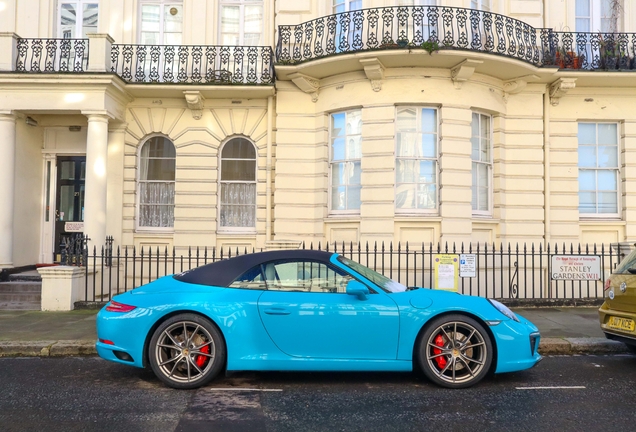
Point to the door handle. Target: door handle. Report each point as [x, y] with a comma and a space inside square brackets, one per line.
[277, 311]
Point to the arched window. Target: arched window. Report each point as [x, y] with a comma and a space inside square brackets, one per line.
[238, 184]
[156, 183]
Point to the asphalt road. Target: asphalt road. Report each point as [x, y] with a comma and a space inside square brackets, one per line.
[591, 393]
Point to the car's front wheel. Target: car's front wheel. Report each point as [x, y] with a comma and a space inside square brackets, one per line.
[186, 351]
[455, 351]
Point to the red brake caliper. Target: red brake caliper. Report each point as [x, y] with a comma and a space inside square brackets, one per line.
[201, 359]
[441, 361]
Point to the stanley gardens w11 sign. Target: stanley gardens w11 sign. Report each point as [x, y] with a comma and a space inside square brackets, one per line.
[576, 267]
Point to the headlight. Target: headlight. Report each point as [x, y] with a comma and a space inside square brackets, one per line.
[504, 310]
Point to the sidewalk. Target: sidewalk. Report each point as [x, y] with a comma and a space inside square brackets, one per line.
[564, 330]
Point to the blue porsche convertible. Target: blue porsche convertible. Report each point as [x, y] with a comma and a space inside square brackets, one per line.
[301, 310]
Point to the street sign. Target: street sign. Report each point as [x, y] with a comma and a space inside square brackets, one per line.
[467, 265]
[575, 267]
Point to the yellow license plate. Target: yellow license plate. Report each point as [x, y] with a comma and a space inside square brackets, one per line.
[621, 324]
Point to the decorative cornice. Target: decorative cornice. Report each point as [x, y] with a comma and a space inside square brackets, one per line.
[463, 71]
[307, 84]
[374, 70]
[194, 99]
[559, 88]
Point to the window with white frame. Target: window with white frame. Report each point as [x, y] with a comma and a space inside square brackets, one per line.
[77, 18]
[346, 5]
[157, 161]
[345, 136]
[483, 5]
[595, 16]
[241, 22]
[417, 3]
[481, 155]
[161, 22]
[416, 163]
[598, 169]
[237, 185]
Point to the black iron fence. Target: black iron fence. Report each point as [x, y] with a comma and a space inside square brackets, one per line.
[186, 64]
[52, 55]
[498, 271]
[433, 28]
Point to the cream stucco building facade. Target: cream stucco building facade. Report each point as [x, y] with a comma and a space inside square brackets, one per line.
[263, 123]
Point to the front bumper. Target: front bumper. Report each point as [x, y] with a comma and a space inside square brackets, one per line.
[517, 345]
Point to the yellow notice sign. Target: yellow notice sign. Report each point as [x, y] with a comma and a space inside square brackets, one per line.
[446, 271]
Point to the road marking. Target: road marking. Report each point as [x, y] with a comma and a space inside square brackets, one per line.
[243, 389]
[551, 388]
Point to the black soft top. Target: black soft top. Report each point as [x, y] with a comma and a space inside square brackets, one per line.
[223, 273]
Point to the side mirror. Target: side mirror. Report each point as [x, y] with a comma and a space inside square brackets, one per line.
[357, 289]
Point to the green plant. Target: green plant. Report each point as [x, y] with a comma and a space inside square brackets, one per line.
[430, 46]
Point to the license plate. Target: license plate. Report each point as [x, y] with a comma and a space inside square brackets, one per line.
[621, 324]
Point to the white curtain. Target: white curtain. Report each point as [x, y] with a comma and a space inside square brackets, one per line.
[238, 204]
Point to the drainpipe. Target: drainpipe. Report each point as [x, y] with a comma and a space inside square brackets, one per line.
[546, 163]
[268, 181]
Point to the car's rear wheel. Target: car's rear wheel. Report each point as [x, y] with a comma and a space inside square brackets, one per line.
[186, 351]
[455, 351]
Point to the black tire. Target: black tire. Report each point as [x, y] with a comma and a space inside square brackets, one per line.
[186, 362]
[631, 348]
[455, 351]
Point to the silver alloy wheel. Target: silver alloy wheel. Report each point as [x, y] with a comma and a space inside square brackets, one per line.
[180, 346]
[462, 355]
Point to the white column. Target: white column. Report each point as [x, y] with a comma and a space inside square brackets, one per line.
[95, 198]
[8, 50]
[7, 187]
[115, 194]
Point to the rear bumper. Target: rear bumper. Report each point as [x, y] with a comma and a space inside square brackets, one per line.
[626, 336]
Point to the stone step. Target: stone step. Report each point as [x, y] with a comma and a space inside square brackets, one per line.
[20, 295]
[21, 286]
[20, 305]
[30, 296]
[29, 276]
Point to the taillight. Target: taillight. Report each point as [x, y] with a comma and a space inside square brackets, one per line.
[607, 284]
[114, 306]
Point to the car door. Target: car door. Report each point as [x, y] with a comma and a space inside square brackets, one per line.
[307, 313]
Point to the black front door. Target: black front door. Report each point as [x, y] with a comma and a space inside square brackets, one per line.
[69, 202]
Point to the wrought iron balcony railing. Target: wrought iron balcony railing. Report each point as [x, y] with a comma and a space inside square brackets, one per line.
[435, 28]
[52, 55]
[186, 64]
[153, 64]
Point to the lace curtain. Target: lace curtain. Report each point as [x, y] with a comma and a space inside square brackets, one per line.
[156, 204]
[238, 204]
[156, 183]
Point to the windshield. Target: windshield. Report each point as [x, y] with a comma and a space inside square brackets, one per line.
[382, 281]
[628, 262]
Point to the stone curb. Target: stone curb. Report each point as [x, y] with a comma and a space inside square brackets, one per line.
[47, 348]
[570, 346]
[547, 346]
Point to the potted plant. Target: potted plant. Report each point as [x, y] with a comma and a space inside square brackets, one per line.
[430, 46]
[402, 43]
[388, 43]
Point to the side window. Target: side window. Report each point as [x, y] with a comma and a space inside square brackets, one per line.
[305, 276]
[251, 279]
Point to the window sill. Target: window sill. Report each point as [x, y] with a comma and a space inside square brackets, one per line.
[234, 233]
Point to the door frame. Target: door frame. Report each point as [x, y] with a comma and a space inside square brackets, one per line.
[47, 228]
